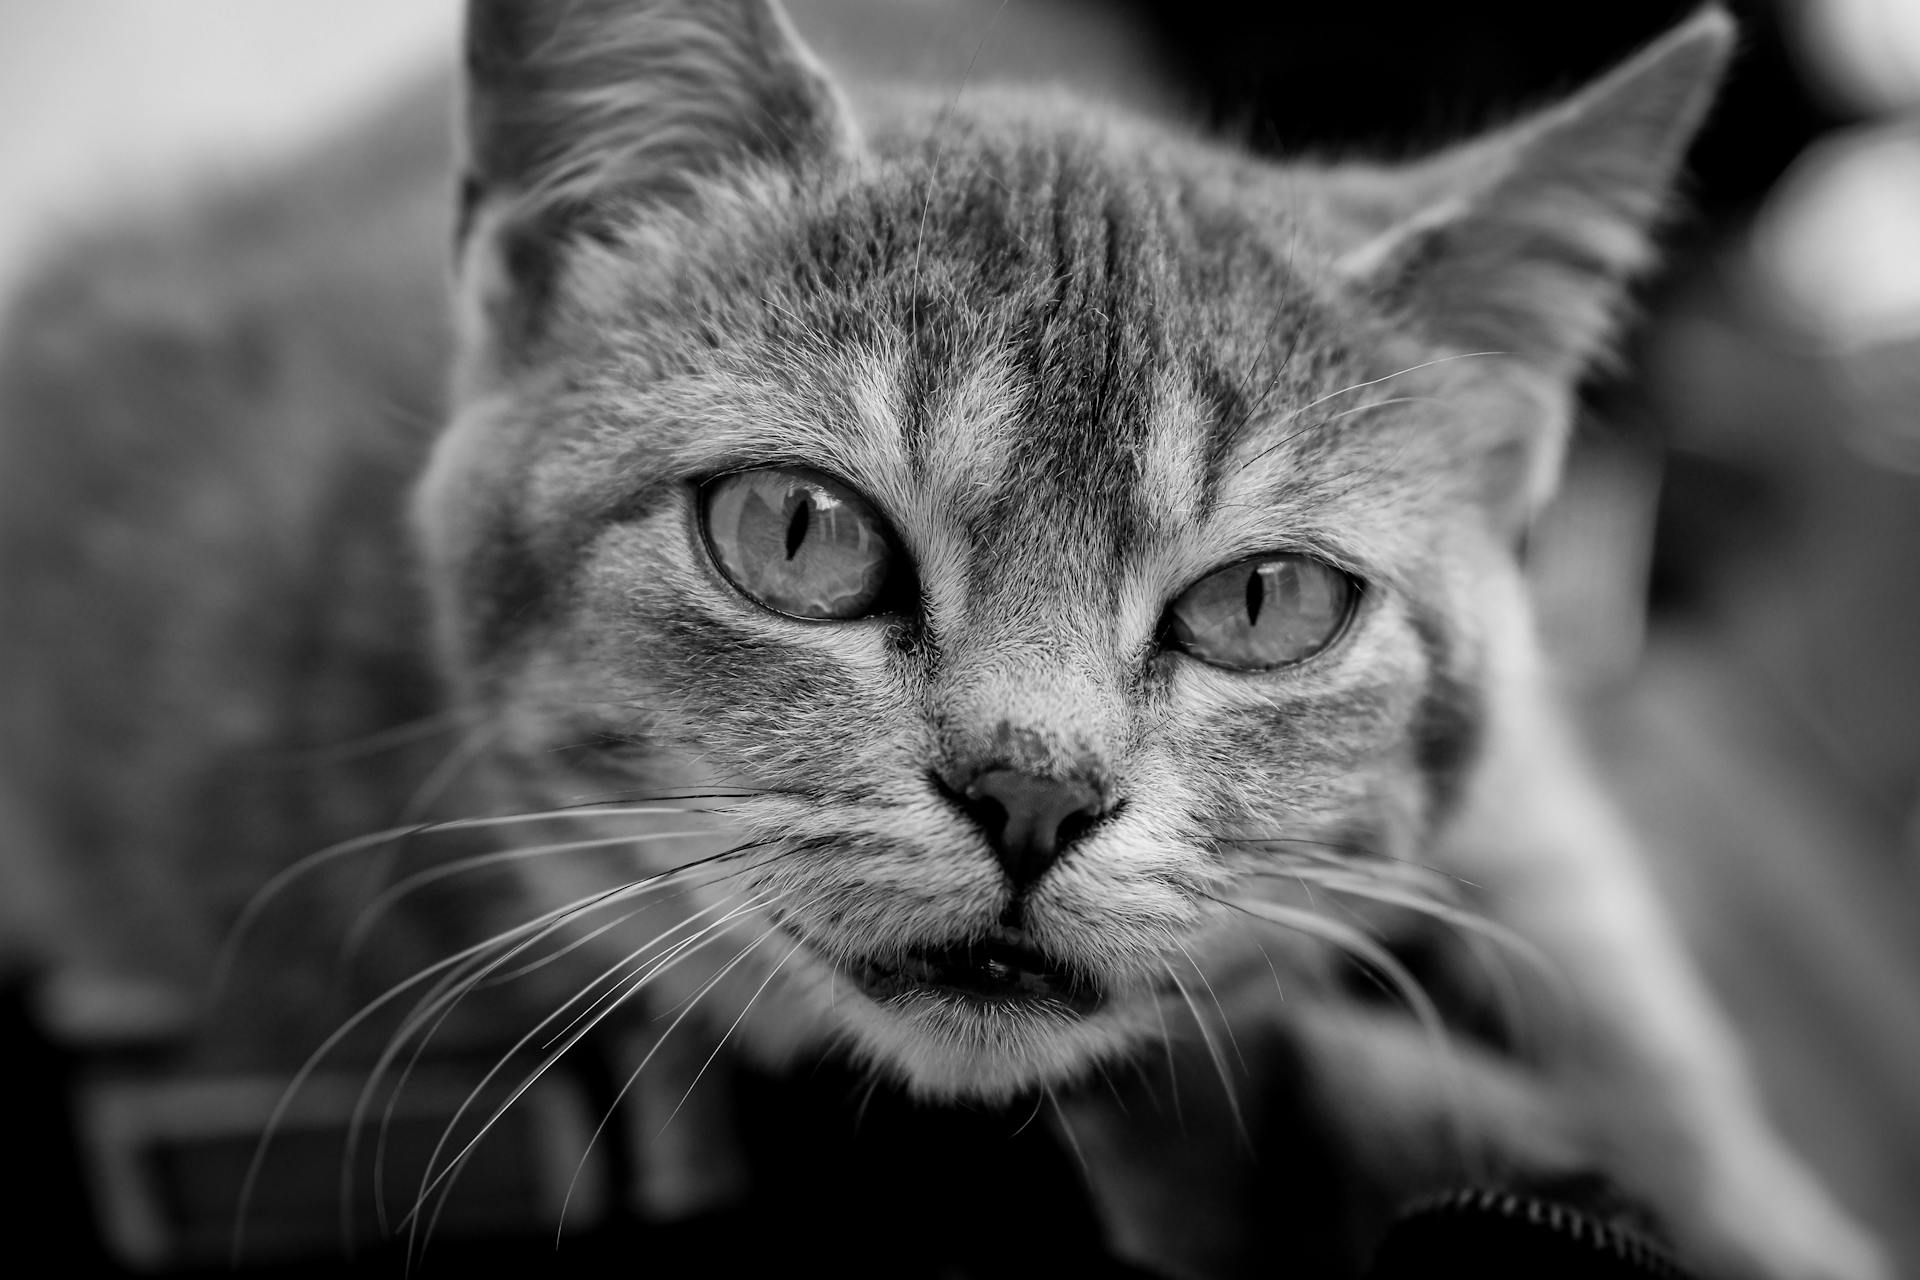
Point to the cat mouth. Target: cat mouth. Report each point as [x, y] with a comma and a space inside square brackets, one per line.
[1004, 969]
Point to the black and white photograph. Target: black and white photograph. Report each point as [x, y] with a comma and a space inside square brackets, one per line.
[954, 639]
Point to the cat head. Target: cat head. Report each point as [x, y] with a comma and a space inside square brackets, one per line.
[1048, 527]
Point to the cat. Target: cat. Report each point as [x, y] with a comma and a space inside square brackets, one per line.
[964, 583]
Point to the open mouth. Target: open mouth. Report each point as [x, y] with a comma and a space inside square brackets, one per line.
[1003, 969]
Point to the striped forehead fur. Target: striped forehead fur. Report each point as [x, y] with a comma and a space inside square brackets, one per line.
[1013, 308]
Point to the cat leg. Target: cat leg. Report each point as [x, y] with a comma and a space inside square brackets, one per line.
[1634, 1043]
[1303, 1141]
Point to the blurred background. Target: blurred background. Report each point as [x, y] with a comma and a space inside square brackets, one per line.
[1732, 577]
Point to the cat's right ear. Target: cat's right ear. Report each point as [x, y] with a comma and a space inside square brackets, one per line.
[581, 116]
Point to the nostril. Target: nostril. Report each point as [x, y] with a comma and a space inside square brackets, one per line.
[1075, 825]
[989, 813]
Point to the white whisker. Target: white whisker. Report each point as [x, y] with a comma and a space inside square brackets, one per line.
[735, 1024]
[1213, 1052]
[471, 747]
[649, 965]
[432, 1180]
[263, 897]
[1066, 1131]
[1507, 945]
[1386, 967]
[333, 1041]
[1226, 1023]
[441, 777]
[546, 921]
[1033, 1115]
[1173, 1071]
[1358, 885]
[445, 999]
[1357, 944]
[1385, 377]
[627, 1085]
[1295, 413]
[393, 893]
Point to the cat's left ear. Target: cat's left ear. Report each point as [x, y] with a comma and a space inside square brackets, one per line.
[585, 116]
[1520, 242]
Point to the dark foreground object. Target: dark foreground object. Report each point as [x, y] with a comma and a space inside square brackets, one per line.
[853, 1182]
[1491, 1234]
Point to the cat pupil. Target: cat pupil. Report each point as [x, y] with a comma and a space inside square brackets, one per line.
[1256, 596]
[797, 526]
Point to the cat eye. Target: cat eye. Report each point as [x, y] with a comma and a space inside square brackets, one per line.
[798, 543]
[1260, 614]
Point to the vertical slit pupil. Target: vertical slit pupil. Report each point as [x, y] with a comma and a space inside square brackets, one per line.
[797, 526]
[1256, 597]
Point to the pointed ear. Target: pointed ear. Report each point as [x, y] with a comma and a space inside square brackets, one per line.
[1521, 241]
[583, 113]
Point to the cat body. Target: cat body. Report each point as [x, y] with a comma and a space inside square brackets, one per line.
[854, 529]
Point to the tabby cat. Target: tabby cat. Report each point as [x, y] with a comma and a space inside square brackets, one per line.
[995, 587]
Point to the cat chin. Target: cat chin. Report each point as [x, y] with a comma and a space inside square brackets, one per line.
[948, 1050]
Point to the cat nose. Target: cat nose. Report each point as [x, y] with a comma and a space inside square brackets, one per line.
[1030, 820]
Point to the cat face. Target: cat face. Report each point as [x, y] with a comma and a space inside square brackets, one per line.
[1048, 534]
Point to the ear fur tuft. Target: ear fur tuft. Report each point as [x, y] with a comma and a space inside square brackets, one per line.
[1522, 241]
[582, 112]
